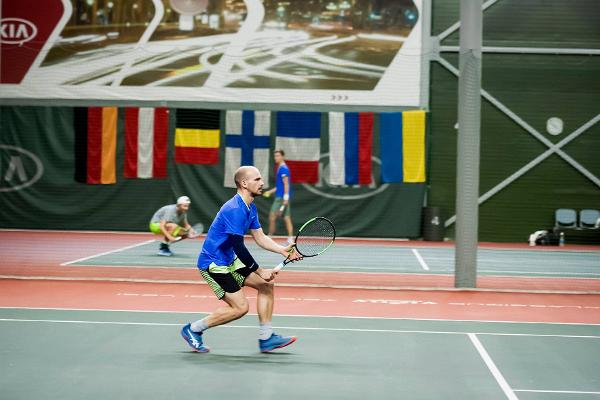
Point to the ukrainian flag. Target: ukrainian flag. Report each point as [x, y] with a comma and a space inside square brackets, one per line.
[402, 138]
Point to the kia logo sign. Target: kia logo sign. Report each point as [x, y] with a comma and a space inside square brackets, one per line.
[19, 168]
[16, 31]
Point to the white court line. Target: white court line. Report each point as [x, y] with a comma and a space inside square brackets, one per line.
[303, 328]
[325, 316]
[420, 259]
[492, 367]
[107, 252]
[554, 391]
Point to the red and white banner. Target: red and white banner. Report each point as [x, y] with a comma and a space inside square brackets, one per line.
[146, 138]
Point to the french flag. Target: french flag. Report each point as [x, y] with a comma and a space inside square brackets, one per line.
[350, 148]
[299, 136]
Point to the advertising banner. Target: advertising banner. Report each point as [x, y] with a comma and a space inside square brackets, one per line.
[342, 52]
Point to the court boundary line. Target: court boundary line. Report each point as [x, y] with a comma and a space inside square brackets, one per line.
[107, 252]
[510, 394]
[306, 285]
[300, 316]
[554, 391]
[420, 259]
[303, 328]
[517, 274]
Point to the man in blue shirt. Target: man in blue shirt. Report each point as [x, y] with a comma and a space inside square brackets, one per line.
[283, 193]
[227, 265]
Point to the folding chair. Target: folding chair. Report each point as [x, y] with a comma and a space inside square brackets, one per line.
[565, 218]
[589, 219]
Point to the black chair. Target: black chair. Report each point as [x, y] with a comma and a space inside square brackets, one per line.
[589, 219]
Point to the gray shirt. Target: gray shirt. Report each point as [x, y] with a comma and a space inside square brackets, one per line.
[169, 214]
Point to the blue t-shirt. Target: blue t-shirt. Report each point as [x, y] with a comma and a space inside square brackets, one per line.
[234, 218]
[282, 171]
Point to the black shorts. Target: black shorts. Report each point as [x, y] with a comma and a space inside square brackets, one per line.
[229, 282]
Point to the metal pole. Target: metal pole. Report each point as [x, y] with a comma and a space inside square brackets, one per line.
[469, 124]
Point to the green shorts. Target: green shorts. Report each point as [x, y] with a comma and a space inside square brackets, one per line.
[155, 228]
[277, 203]
[226, 279]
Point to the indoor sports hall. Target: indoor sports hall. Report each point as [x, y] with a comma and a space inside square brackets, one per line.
[450, 149]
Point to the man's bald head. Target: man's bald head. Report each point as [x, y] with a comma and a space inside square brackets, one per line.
[243, 173]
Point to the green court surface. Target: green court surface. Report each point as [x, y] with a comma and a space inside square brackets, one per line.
[375, 258]
[63, 354]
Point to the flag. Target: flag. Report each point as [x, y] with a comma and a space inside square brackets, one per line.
[402, 138]
[95, 144]
[247, 142]
[350, 148]
[299, 136]
[197, 136]
[146, 133]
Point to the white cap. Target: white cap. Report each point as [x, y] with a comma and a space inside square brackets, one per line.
[183, 200]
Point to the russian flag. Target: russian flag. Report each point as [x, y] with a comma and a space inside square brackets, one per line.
[402, 138]
[350, 148]
[299, 136]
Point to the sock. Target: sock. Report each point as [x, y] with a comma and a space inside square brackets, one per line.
[164, 246]
[266, 330]
[199, 326]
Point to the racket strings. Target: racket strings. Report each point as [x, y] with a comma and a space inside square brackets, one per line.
[315, 237]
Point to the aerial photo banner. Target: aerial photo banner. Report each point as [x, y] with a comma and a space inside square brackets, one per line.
[348, 52]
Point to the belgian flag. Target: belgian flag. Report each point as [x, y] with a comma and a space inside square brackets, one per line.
[197, 136]
[95, 144]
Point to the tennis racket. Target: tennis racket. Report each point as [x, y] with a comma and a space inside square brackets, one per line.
[313, 238]
[196, 231]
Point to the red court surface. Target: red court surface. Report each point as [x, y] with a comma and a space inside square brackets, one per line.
[446, 305]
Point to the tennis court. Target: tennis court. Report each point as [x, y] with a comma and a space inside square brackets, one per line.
[434, 140]
[74, 354]
[96, 315]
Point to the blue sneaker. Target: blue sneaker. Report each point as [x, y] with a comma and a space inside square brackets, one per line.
[165, 253]
[275, 342]
[193, 339]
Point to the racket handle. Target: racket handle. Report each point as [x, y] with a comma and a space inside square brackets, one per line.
[278, 267]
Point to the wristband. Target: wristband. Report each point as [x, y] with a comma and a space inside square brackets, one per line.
[286, 197]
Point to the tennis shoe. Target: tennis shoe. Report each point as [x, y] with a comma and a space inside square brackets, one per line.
[275, 342]
[165, 252]
[193, 339]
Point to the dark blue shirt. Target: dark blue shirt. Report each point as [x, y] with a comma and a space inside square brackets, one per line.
[234, 218]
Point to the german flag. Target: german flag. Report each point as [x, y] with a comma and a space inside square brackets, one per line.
[197, 136]
[95, 144]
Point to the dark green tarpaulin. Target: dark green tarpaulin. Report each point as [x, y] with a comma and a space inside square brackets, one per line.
[56, 201]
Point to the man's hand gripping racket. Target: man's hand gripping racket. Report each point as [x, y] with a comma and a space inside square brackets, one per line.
[313, 238]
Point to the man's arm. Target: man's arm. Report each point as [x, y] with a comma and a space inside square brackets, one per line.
[246, 258]
[267, 243]
[286, 189]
